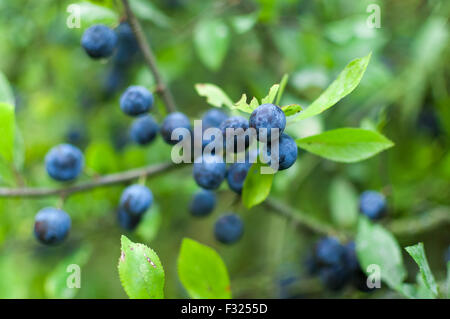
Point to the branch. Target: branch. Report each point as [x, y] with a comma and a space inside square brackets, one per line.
[107, 180]
[149, 58]
[302, 220]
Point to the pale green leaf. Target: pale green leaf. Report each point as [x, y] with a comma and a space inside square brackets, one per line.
[140, 271]
[92, 14]
[254, 103]
[345, 83]
[148, 228]
[146, 10]
[417, 252]
[62, 281]
[271, 95]
[244, 23]
[345, 144]
[242, 105]
[343, 203]
[256, 185]
[376, 245]
[202, 271]
[211, 39]
[215, 96]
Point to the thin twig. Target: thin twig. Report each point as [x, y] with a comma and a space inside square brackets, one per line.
[107, 180]
[149, 58]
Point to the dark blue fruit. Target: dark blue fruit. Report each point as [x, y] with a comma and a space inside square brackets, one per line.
[113, 81]
[335, 276]
[171, 122]
[64, 162]
[136, 100]
[127, 221]
[209, 171]
[229, 228]
[287, 152]
[267, 116]
[99, 41]
[372, 204]
[202, 203]
[213, 118]
[238, 132]
[51, 225]
[144, 130]
[127, 46]
[136, 199]
[447, 255]
[236, 175]
[329, 251]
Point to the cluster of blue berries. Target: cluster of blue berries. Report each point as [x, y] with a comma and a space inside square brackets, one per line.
[336, 265]
[134, 202]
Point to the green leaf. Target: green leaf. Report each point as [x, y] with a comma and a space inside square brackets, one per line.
[271, 95]
[149, 226]
[256, 185]
[57, 282]
[140, 271]
[376, 245]
[417, 252]
[283, 83]
[345, 83]
[244, 23]
[92, 14]
[19, 149]
[6, 93]
[346, 144]
[146, 10]
[291, 109]
[202, 272]
[7, 132]
[254, 103]
[211, 39]
[344, 203]
[101, 157]
[448, 280]
[215, 96]
[242, 105]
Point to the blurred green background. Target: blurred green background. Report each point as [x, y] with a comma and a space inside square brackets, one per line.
[64, 96]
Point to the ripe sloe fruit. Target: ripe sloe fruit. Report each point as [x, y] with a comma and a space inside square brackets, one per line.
[241, 137]
[236, 175]
[136, 100]
[267, 116]
[127, 46]
[51, 225]
[171, 122]
[210, 172]
[228, 228]
[202, 203]
[64, 162]
[136, 199]
[144, 130]
[372, 204]
[213, 118]
[287, 152]
[99, 41]
[128, 221]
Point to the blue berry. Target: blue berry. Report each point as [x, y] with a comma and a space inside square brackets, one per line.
[136, 199]
[128, 221]
[213, 118]
[236, 175]
[372, 204]
[113, 81]
[335, 276]
[267, 116]
[144, 130]
[203, 203]
[127, 46]
[239, 133]
[171, 122]
[287, 152]
[329, 251]
[136, 100]
[64, 162]
[51, 225]
[229, 228]
[99, 41]
[209, 171]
